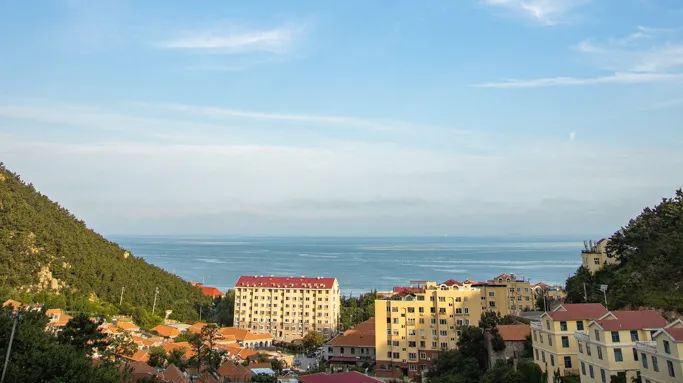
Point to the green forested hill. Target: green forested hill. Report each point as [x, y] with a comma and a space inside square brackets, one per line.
[650, 273]
[46, 253]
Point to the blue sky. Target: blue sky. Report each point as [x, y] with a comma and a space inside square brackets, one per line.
[351, 118]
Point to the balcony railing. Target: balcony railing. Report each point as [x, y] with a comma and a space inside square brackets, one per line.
[581, 336]
[648, 346]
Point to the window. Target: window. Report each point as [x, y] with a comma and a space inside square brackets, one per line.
[543, 356]
[617, 355]
[580, 347]
[635, 355]
[588, 349]
[590, 371]
[634, 335]
[644, 359]
[579, 325]
[550, 340]
[565, 342]
[536, 353]
[567, 362]
[599, 352]
[563, 326]
[552, 360]
[670, 366]
[667, 347]
[583, 368]
[603, 378]
[597, 335]
[535, 336]
[655, 364]
[615, 336]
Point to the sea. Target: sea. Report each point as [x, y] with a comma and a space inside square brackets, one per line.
[360, 264]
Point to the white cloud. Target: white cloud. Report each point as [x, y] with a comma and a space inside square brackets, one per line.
[647, 55]
[615, 78]
[548, 12]
[236, 40]
[572, 136]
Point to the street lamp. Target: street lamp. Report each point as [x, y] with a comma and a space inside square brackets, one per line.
[15, 319]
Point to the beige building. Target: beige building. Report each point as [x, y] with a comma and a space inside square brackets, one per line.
[553, 293]
[661, 359]
[608, 347]
[413, 325]
[506, 294]
[594, 256]
[287, 307]
[553, 339]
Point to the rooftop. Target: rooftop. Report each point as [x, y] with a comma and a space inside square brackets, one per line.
[361, 335]
[632, 320]
[514, 332]
[578, 311]
[343, 377]
[285, 282]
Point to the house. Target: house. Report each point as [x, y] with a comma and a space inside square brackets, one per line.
[166, 331]
[128, 326]
[12, 304]
[57, 317]
[608, 347]
[208, 291]
[140, 356]
[197, 327]
[186, 347]
[139, 371]
[514, 336]
[594, 256]
[234, 373]
[661, 359]
[246, 338]
[172, 374]
[353, 347]
[555, 349]
[342, 377]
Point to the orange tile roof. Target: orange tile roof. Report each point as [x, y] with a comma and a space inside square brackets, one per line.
[140, 356]
[578, 311]
[243, 335]
[234, 371]
[15, 305]
[632, 320]
[197, 327]
[166, 331]
[62, 320]
[127, 326]
[514, 332]
[209, 291]
[173, 375]
[170, 346]
[240, 352]
[361, 335]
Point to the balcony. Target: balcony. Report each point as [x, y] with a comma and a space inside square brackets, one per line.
[581, 336]
[535, 325]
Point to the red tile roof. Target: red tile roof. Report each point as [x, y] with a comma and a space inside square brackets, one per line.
[676, 333]
[173, 375]
[578, 311]
[514, 332]
[632, 320]
[209, 291]
[234, 371]
[285, 282]
[452, 282]
[402, 290]
[344, 377]
[166, 331]
[361, 335]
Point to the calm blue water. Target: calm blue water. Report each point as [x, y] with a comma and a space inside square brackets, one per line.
[360, 264]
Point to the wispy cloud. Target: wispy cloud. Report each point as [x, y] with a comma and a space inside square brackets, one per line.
[647, 55]
[233, 40]
[615, 78]
[547, 12]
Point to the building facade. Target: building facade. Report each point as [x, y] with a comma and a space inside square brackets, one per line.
[608, 347]
[594, 256]
[356, 346]
[412, 327]
[506, 294]
[661, 359]
[554, 345]
[287, 307]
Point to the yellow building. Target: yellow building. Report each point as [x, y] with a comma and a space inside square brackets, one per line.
[553, 293]
[287, 307]
[555, 348]
[416, 323]
[661, 360]
[608, 347]
[506, 294]
[594, 256]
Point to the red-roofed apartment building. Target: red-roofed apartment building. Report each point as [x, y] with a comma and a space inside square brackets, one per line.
[287, 307]
[661, 359]
[555, 349]
[354, 347]
[608, 346]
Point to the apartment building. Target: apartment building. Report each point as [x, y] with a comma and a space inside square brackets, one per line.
[594, 256]
[661, 359]
[608, 347]
[554, 293]
[287, 307]
[554, 344]
[412, 326]
[506, 294]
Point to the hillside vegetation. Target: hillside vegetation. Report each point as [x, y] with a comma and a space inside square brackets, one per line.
[650, 273]
[47, 254]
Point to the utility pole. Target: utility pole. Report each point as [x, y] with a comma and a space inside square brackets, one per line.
[121, 298]
[154, 305]
[545, 302]
[603, 288]
[9, 347]
[585, 294]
